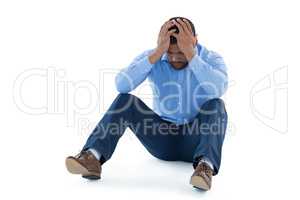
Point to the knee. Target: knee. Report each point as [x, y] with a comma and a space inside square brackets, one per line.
[125, 97]
[125, 100]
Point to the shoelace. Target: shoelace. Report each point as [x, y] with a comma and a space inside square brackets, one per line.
[204, 167]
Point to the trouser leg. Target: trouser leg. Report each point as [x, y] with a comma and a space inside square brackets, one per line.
[204, 136]
[160, 137]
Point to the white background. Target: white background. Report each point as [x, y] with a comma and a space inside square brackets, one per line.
[82, 43]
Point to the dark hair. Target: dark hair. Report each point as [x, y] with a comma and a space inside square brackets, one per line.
[173, 40]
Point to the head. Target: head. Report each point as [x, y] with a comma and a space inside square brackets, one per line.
[175, 56]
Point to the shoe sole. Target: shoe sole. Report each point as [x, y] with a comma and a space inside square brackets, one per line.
[74, 167]
[198, 182]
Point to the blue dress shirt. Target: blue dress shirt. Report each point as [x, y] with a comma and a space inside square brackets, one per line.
[178, 94]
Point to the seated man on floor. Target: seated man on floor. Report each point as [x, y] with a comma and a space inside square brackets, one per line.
[188, 120]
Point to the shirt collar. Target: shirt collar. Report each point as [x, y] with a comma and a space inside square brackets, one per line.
[197, 51]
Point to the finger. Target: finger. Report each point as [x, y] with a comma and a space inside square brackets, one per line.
[169, 25]
[188, 26]
[171, 32]
[178, 26]
[184, 26]
[176, 35]
[166, 26]
[161, 28]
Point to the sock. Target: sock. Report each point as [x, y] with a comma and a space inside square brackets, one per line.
[95, 153]
[207, 161]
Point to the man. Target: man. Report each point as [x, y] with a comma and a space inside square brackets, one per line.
[188, 120]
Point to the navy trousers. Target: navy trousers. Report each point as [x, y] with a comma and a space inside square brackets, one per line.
[201, 138]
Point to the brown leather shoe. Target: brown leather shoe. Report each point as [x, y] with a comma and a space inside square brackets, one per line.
[85, 164]
[202, 177]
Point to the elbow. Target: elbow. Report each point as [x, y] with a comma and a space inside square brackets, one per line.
[121, 89]
[223, 87]
[122, 85]
[216, 89]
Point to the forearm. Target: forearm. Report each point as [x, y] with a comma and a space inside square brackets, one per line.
[155, 55]
[130, 77]
[213, 79]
